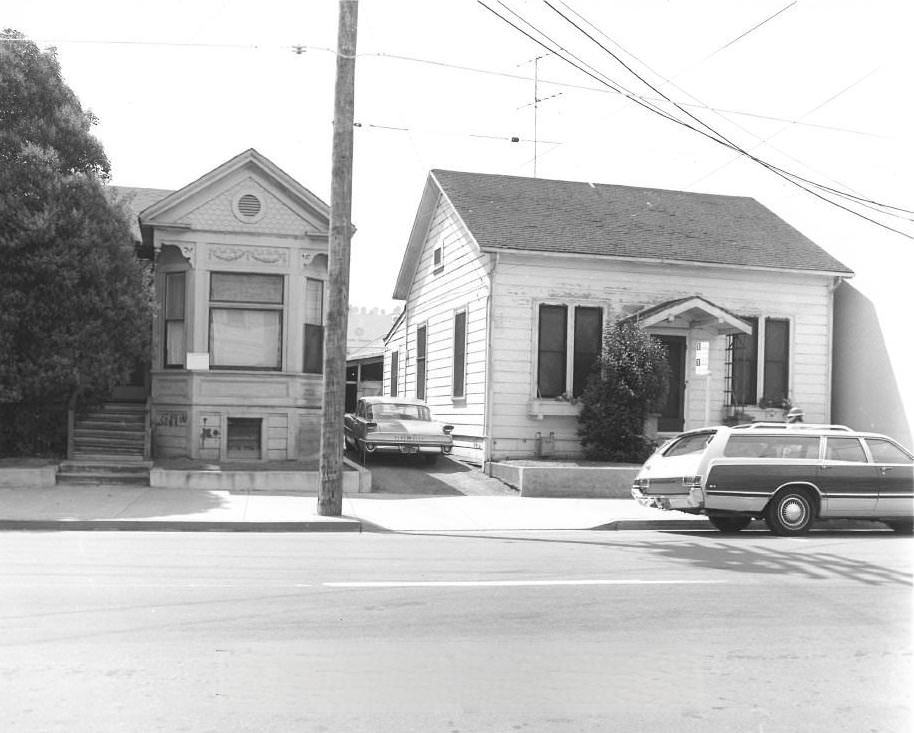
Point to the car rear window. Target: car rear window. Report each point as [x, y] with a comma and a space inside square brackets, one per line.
[885, 452]
[772, 446]
[694, 443]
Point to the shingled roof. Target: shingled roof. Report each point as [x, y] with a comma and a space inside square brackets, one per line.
[135, 200]
[541, 215]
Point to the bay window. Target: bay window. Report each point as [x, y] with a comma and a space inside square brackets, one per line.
[175, 345]
[245, 321]
[313, 359]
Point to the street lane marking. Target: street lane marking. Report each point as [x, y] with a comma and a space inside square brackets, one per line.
[505, 583]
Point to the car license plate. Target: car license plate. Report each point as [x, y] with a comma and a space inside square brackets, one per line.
[409, 448]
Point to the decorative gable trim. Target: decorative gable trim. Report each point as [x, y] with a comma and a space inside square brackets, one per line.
[153, 215]
[696, 309]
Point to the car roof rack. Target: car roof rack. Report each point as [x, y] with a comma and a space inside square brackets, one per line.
[792, 426]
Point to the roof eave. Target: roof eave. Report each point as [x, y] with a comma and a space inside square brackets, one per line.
[427, 203]
[668, 261]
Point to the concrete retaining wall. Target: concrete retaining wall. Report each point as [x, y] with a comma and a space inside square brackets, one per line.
[298, 482]
[579, 482]
[38, 477]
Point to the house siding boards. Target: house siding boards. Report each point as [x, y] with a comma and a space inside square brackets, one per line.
[437, 294]
[524, 281]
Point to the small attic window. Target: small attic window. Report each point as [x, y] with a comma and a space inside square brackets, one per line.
[438, 257]
[248, 207]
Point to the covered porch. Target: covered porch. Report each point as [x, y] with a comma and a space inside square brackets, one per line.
[696, 333]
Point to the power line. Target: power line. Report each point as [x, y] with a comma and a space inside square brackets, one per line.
[708, 132]
[719, 138]
[301, 48]
[504, 138]
[755, 27]
[719, 112]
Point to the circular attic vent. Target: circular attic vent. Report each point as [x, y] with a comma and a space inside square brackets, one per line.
[249, 206]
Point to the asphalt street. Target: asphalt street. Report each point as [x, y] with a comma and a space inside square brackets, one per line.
[545, 631]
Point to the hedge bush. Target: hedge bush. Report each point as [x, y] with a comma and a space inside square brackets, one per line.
[630, 380]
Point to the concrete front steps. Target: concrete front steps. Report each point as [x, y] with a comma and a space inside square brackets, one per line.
[116, 430]
[108, 447]
[106, 470]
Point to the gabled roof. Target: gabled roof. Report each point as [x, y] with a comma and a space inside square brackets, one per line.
[568, 217]
[251, 158]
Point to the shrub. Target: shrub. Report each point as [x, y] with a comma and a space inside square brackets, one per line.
[629, 381]
[75, 304]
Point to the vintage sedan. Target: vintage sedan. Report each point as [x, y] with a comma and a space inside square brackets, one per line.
[787, 476]
[396, 425]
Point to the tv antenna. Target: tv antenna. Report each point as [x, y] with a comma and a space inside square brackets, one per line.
[536, 100]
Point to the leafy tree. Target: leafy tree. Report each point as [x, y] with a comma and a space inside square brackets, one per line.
[75, 305]
[630, 380]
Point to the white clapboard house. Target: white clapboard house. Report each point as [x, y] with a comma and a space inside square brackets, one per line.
[508, 281]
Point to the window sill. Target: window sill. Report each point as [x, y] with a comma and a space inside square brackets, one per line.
[540, 408]
[758, 414]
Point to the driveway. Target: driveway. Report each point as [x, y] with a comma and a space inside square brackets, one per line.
[392, 474]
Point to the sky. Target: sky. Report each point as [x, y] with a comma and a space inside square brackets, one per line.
[817, 87]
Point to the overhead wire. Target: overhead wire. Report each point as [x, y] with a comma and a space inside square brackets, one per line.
[721, 113]
[599, 77]
[300, 49]
[753, 28]
[719, 138]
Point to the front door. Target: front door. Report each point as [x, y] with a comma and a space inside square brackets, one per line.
[672, 414]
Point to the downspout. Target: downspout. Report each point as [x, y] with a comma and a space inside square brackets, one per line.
[832, 287]
[487, 412]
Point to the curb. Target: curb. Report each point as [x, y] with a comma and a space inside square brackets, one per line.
[128, 525]
[653, 524]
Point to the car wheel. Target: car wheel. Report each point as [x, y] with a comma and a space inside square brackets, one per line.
[729, 523]
[790, 512]
[902, 526]
[431, 459]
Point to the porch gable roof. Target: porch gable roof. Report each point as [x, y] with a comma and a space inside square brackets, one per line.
[696, 310]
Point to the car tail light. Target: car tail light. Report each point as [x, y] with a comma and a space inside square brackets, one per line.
[369, 426]
[448, 429]
[696, 494]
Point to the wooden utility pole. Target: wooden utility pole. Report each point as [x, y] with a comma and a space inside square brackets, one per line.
[330, 496]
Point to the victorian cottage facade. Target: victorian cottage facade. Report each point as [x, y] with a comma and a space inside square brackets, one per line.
[240, 266]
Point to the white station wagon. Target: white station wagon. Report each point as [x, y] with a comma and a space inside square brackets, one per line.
[789, 475]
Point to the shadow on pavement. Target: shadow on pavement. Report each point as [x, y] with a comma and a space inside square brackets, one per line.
[736, 557]
[411, 476]
[735, 554]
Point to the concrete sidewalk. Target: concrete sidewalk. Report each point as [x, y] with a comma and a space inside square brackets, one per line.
[141, 508]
